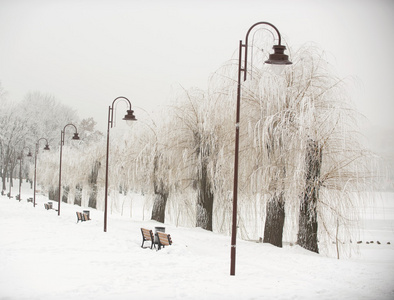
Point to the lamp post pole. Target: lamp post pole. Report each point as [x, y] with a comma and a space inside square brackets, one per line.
[10, 179]
[75, 137]
[277, 58]
[128, 117]
[35, 167]
[20, 171]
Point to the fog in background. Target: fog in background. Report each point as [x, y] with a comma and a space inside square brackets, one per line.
[87, 53]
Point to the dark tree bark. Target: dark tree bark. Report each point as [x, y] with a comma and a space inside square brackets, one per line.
[93, 184]
[161, 193]
[53, 193]
[204, 200]
[4, 187]
[205, 196]
[66, 190]
[275, 219]
[275, 208]
[93, 197]
[78, 195]
[159, 206]
[308, 225]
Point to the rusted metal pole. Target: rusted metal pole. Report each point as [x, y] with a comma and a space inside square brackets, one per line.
[235, 188]
[106, 172]
[60, 172]
[277, 58]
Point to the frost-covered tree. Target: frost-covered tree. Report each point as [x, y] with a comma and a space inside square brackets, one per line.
[53, 116]
[299, 151]
[81, 163]
[13, 132]
[308, 121]
[200, 140]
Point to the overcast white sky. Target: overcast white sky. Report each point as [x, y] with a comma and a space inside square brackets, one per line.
[87, 53]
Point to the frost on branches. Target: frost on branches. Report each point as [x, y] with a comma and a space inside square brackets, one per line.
[301, 164]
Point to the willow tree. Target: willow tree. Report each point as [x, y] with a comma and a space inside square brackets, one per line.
[332, 165]
[146, 161]
[200, 122]
[161, 164]
[270, 139]
[302, 149]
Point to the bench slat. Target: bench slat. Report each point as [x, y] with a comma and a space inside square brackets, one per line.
[164, 239]
[147, 235]
[79, 216]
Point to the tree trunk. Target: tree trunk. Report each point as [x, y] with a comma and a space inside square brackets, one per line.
[204, 200]
[93, 197]
[4, 187]
[66, 190]
[161, 195]
[308, 225]
[159, 207]
[78, 195]
[12, 167]
[93, 184]
[275, 208]
[275, 219]
[53, 193]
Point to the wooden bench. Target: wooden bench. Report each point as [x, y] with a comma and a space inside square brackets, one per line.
[82, 217]
[147, 235]
[163, 239]
[48, 206]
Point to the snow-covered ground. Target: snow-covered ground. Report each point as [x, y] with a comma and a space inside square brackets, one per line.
[46, 256]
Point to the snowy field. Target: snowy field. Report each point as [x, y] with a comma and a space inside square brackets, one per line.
[44, 256]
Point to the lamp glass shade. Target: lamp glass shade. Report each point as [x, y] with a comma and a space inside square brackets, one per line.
[277, 69]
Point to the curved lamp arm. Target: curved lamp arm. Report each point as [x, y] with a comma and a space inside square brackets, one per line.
[128, 117]
[278, 57]
[28, 154]
[75, 137]
[46, 146]
[70, 124]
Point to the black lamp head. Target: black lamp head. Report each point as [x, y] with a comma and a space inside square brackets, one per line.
[278, 57]
[46, 147]
[76, 136]
[130, 116]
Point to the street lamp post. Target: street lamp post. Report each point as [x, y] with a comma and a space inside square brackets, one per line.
[10, 179]
[35, 167]
[128, 117]
[75, 137]
[20, 170]
[277, 58]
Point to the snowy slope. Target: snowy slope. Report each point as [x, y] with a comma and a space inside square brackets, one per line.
[44, 256]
